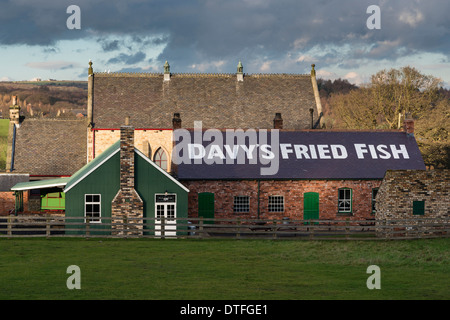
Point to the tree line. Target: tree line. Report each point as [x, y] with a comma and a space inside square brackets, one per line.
[384, 102]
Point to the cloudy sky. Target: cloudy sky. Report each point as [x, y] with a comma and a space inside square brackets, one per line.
[268, 36]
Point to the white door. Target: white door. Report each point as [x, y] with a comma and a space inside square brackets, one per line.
[168, 211]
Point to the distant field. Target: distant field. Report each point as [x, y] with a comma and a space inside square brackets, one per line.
[224, 269]
[4, 125]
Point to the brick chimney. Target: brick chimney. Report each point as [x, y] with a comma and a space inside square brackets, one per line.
[127, 203]
[408, 124]
[176, 121]
[278, 121]
[14, 111]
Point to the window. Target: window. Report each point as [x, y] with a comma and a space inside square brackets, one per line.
[345, 200]
[92, 207]
[160, 159]
[276, 204]
[419, 208]
[241, 204]
[374, 195]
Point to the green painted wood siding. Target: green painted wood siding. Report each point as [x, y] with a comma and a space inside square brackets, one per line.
[105, 181]
[150, 181]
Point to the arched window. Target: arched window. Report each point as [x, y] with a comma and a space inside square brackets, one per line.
[160, 159]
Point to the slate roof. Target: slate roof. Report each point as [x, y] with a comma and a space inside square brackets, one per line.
[50, 147]
[218, 100]
[8, 180]
[369, 164]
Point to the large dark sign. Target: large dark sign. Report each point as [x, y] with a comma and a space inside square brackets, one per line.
[273, 154]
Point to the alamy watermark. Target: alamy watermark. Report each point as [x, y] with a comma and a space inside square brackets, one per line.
[374, 281]
[73, 281]
[374, 21]
[240, 147]
[74, 20]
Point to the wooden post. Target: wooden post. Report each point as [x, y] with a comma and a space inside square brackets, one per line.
[47, 225]
[163, 231]
[200, 228]
[311, 231]
[238, 232]
[274, 228]
[9, 227]
[87, 228]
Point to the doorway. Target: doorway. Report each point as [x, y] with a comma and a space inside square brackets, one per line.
[165, 206]
[311, 206]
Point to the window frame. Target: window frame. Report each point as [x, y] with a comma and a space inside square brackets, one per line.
[93, 219]
[350, 211]
[272, 206]
[421, 209]
[158, 153]
[245, 209]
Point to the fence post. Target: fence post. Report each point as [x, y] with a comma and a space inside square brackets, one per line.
[238, 232]
[274, 229]
[9, 227]
[47, 225]
[200, 228]
[87, 228]
[311, 231]
[163, 231]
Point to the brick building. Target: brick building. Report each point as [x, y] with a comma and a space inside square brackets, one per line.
[156, 103]
[318, 175]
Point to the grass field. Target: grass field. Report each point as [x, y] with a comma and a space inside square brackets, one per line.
[4, 127]
[223, 269]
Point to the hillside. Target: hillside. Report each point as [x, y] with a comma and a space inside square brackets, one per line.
[45, 98]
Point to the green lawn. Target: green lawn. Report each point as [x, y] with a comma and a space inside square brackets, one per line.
[223, 269]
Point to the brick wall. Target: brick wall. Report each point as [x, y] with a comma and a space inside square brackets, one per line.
[147, 141]
[8, 202]
[292, 190]
[400, 188]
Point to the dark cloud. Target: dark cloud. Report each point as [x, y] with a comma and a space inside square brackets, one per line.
[108, 46]
[128, 58]
[251, 30]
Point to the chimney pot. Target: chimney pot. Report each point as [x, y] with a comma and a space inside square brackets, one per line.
[176, 121]
[278, 121]
[408, 124]
[127, 121]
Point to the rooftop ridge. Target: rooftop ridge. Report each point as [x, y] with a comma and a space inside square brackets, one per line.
[196, 74]
[54, 119]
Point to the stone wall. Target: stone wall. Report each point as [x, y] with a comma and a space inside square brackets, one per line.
[292, 190]
[398, 191]
[127, 203]
[400, 188]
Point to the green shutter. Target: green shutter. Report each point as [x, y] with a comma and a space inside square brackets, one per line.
[206, 205]
[310, 205]
[419, 208]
